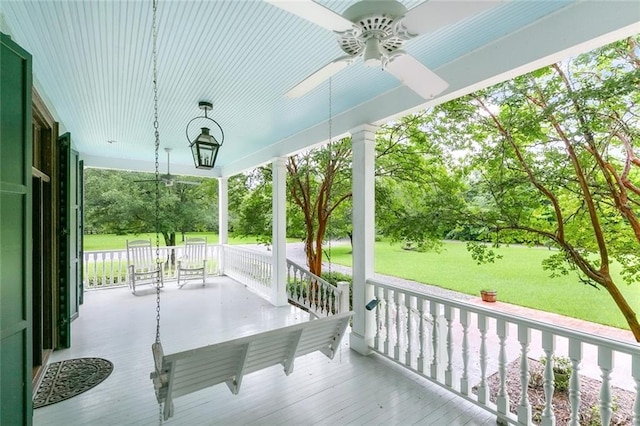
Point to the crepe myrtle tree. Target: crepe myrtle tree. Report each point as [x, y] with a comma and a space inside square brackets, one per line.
[554, 153]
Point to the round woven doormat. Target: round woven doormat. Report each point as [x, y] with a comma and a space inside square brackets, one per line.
[66, 379]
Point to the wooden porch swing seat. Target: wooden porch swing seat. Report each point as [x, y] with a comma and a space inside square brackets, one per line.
[142, 266]
[193, 264]
[228, 362]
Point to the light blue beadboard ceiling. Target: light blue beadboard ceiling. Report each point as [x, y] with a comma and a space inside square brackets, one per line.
[92, 64]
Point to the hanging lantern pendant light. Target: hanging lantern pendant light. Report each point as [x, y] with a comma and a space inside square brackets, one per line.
[205, 146]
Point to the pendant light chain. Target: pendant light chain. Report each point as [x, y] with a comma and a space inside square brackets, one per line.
[157, 172]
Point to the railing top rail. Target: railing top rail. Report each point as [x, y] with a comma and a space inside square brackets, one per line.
[593, 339]
[123, 250]
[314, 276]
[246, 249]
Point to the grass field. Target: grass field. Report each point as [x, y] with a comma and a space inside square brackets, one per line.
[518, 277]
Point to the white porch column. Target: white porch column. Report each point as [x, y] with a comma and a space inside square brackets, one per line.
[223, 219]
[223, 210]
[279, 236]
[363, 140]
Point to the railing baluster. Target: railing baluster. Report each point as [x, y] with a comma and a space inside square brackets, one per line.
[524, 407]
[483, 389]
[502, 400]
[422, 334]
[605, 362]
[464, 380]
[387, 321]
[548, 345]
[449, 315]
[104, 261]
[95, 270]
[575, 355]
[408, 303]
[435, 339]
[396, 300]
[376, 338]
[635, 373]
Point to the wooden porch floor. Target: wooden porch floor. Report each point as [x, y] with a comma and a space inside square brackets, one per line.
[351, 389]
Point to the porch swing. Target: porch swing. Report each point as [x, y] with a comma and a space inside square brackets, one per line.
[185, 372]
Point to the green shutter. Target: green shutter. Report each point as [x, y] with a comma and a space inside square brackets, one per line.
[63, 235]
[15, 234]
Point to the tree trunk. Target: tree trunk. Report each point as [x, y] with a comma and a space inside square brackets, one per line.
[624, 307]
[170, 240]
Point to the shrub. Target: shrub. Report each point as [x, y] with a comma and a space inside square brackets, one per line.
[561, 371]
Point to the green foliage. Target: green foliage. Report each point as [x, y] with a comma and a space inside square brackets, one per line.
[562, 369]
[481, 253]
[593, 416]
[116, 203]
[550, 158]
[419, 197]
[333, 277]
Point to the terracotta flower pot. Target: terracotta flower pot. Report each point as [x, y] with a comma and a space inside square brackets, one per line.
[489, 295]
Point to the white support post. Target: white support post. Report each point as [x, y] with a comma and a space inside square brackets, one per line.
[343, 288]
[223, 219]
[279, 235]
[363, 140]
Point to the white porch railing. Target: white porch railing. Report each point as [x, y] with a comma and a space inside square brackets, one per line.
[446, 340]
[314, 293]
[250, 267]
[254, 269]
[108, 268]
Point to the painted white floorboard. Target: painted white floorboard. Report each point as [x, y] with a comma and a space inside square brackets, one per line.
[350, 389]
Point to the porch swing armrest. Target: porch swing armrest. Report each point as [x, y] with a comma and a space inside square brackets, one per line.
[160, 375]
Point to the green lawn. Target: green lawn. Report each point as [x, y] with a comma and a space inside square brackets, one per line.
[518, 277]
[115, 242]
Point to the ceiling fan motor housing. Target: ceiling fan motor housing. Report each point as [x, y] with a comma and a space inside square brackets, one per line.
[373, 20]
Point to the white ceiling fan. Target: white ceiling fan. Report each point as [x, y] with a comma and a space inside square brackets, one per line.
[168, 178]
[376, 30]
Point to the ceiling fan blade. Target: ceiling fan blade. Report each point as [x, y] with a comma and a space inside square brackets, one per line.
[319, 76]
[314, 12]
[434, 14]
[413, 74]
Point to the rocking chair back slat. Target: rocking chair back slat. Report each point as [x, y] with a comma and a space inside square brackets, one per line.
[142, 266]
[193, 264]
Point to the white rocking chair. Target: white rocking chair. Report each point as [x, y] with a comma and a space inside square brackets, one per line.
[142, 265]
[193, 264]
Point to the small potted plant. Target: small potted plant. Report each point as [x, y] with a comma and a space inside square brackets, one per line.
[489, 295]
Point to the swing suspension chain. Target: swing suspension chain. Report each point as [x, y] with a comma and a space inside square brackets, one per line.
[157, 179]
[330, 182]
[157, 172]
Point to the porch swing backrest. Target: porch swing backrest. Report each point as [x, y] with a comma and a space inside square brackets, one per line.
[228, 362]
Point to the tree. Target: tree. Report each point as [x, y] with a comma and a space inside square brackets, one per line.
[319, 182]
[115, 203]
[554, 153]
[413, 186]
[419, 195]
